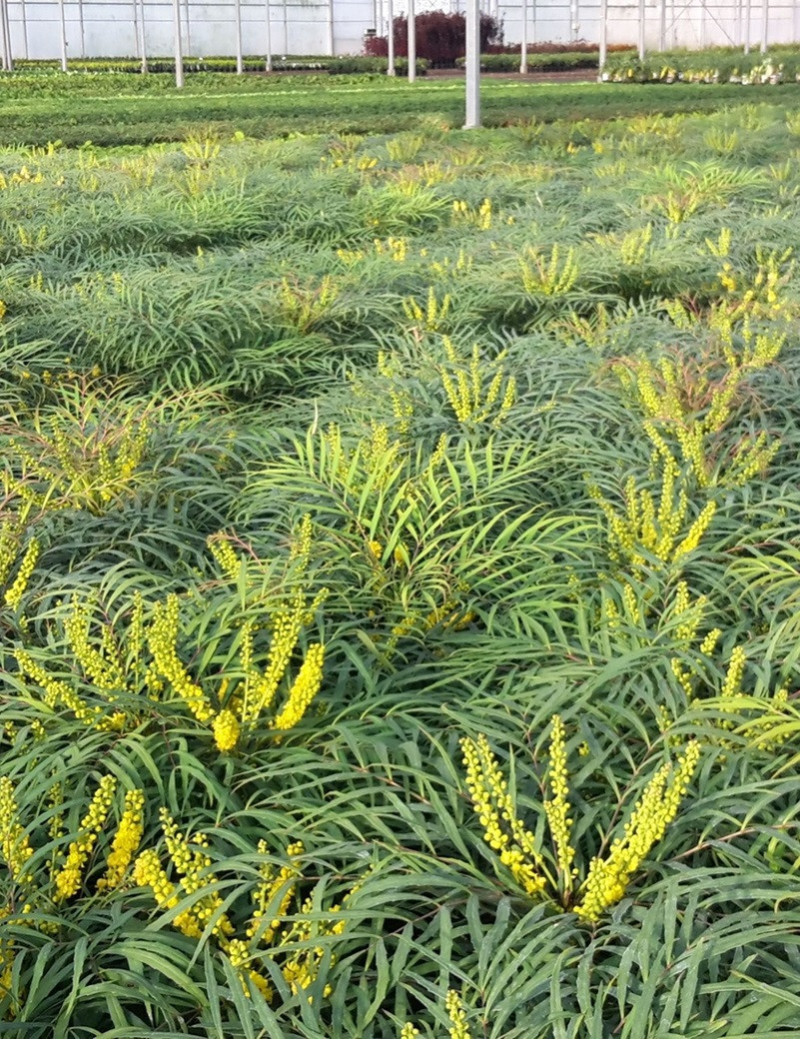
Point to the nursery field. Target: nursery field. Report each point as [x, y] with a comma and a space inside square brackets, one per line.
[124, 109]
[400, 582]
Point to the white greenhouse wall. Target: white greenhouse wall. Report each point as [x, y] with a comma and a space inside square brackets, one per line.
[98, 28]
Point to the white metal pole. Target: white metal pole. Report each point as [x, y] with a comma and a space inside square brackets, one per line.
[390, 70]
[3, 37]
[25, 41]
[747, 27]
[82, 28]
[764, 26]
[412, 42]
[63, 20]
[575, 23]
[142, 37]
[662, 25]
[188, 27]
[473, 65]
[703, 24]
[641, 29]
[268, 27]
[5, 26]
[285, 27]
[176, 28]
[523, 47]
[237, 13]
[331, 42]
[9, 45]
[601, 58]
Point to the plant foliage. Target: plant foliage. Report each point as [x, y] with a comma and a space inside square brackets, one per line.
[399, 582]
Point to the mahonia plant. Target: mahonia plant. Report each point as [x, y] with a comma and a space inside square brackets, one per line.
[456, 1016]
[85, 456]
[652, 531]
[551, 275]
[108, 663]
[474, 386]
[128, 664]
[682, 401]
[556, 878]
[242, 704]
[12, 538]
[430, 316]
[35, 891]
[266, 934]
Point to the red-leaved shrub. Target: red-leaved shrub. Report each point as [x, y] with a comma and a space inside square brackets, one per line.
[441, 37]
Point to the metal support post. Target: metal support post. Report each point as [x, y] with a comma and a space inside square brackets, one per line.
[390, 69]
[142, 37]
[5, 37]
[412, 42]
[63, 20]
[237, 12]
[603, 38]
[764, 26]
[26, 43]
[473, 66]
[747, 11]
[176, 28]
[268, 27]
[285, 28]
[641, 29]
[523, 47]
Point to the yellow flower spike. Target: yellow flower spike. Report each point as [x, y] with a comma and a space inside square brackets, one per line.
[710, 641]
[304, 689]
[222, 551]
[608, 878]
[14, 842]
[459, 1028]
[696, 531]
[493, 805]
[733, 677]
[409, 1032]
[162, 641]
[126, 841]
[15, 593]
[193, 864]
[68, 879]
[286, 625]
[240, 958]
[557, 810]
[273, 885]
[226, 731]
[104, 669]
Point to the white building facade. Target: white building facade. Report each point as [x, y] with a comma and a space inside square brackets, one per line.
[112, 28]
